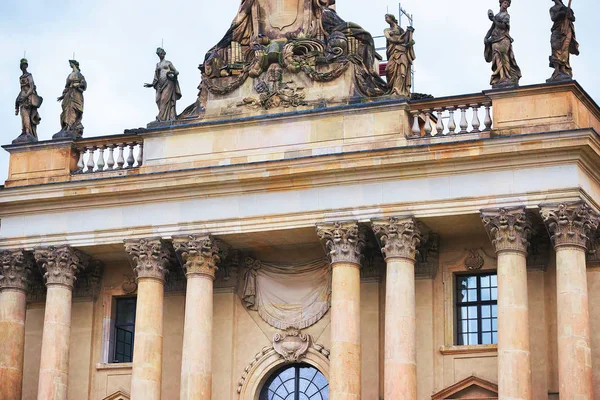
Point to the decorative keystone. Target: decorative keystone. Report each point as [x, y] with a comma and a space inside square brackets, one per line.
[509, 229]
[343, 241]
[398, 238]
[199, 255]
[570, 224]
[150, 257]
[61, 264]
[16, 269]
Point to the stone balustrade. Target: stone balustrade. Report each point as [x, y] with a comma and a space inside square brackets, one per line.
[109, 153]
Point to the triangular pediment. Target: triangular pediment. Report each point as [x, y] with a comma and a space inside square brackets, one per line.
[120, 395]
[472, 388]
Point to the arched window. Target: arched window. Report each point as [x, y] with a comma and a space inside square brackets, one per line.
[296, 382]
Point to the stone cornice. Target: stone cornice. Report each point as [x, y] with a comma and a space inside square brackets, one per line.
[16, 269]
[150, 257]
[61, 264]
[343, 241]
[509, 229]
[398, 237]
[199, 254]
[571, 224]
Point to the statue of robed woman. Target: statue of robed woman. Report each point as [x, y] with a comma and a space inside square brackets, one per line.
[27, 105]
[563, 41]
[400, 55]
[72, 104]
[167, 88]
[499, 49]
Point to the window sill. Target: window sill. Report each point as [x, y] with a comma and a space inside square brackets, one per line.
[113, 366]
[483, 348]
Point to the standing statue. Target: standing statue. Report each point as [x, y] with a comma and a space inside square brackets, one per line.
[167, 88]
[72, 104]
[499, 50]
[400, 55]
[27, 104]
[563, 41]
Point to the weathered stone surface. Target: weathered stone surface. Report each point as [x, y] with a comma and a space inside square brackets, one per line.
[343, 241]
[150, 257]
[199, 254]
[61, 264]
[570, 224]
[508, 229]
[16, 269]
[399, 238]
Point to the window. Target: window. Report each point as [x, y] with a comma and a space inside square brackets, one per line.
[296, 382]
[124, 330]
[476, 309]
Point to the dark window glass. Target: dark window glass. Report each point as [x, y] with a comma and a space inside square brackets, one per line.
[296, 382]
[124, 330]
[476, 309]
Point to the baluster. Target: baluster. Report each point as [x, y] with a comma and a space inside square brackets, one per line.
[100, 162]
[440, 123]
[488, 117]
[427, 127]
[130, 159]
[80, 164]
[416, 130]
[90, 161]
[111, 159]
[140, 157]
[464, 125]
[120, 159]
[452, 123]
[475, 123]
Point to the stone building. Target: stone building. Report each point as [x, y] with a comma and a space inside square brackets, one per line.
[368, 247]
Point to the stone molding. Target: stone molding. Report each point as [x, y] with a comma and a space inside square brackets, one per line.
[150, 257]
[198, 254]
[398, 237]
[570, 224]
[343, 242]
[61, 265]
[509, 229]
[16, 269]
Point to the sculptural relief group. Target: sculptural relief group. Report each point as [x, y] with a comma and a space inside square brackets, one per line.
[282, 45]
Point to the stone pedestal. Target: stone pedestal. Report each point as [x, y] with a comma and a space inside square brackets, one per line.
[509, 231]
[399, 240]
[199, 256]
[150, 259]
[572, 227]
[344, 242]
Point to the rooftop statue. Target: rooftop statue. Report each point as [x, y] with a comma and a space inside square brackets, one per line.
[167, 88]
[400, 55]
[72, 104]
[27, 104]
[499, 49]
[563, 41]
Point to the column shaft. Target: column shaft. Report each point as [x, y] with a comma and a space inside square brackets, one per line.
[345, 358]
[400, 373]
[12, 342]
[54, 363]
[146, 376]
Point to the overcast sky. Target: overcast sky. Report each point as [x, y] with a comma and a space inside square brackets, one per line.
[115, 43]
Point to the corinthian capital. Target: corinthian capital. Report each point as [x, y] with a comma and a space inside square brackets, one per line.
[343, 241]
[150, 257]
[16, 268]
[509, 229]
[61, 264]
[199, 254]
[570, 224]
[398, 238]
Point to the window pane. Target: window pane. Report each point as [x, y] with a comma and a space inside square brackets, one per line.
[494, 293]
[311, 384]
[472, 295]
[472, 325]
[486, 311]
[473, 339]
[486, 325]
[485, 295]
[494, 311]
[476, 310]
[472, 282]
[485, 281]
[473, 312]
[494, 280]
[495, 324]
[486, 338]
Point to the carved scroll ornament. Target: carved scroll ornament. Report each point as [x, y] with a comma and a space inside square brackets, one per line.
[150, 257]
[570, 224]
[343, 241]
[199, 254]
[399, 238]
[61, 264]
[508, 229]
[16, 269]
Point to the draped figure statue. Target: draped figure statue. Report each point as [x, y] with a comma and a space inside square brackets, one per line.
[563, 41]
[167, 88]
[27, 105]
[72, 104]
[499, 49]
[400, 55]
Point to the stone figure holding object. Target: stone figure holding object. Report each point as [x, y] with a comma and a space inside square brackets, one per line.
[400, 55]
[167, 88]
[563, 41]
[27, 105]
[72, 104]
[499, 49]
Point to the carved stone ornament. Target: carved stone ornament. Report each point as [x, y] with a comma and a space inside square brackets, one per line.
[343, 241]
[16, 269]
[199, 255]
[129, 284]
[61, 265]
[399, 238]
[428, 257]
[292, 345]
[474, 261]
[509, 229]
[150, 257]
[570, 224]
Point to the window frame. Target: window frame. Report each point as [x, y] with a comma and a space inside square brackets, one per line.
[457, 304]
[297, 381]
[115, 327]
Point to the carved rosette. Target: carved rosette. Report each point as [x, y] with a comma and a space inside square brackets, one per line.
[398, 238]
[16, 269]
[570, 224]
[509, 229]
[199, 255]
[343, 241]
[61, 264]
[150, 257]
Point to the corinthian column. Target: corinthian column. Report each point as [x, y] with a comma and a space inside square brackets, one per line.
[509, 231]
[571, 227]
[60, 266]
[16, 267]
[150, 258]
[344, 243]
[199, 256]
